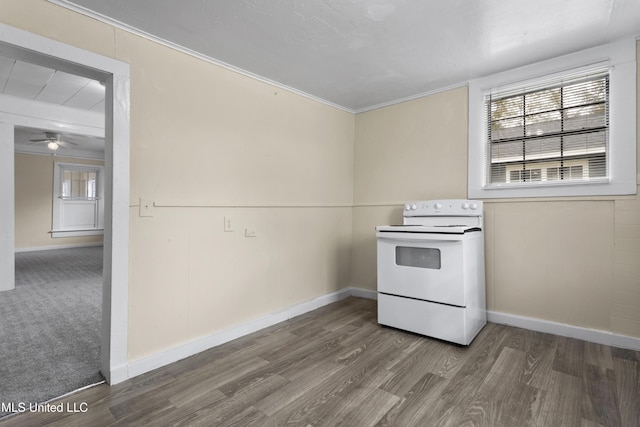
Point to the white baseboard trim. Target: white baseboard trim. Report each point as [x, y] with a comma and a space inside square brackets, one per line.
[565, 330]
[118, 374]
[68, 246]
[362, 293]
[157, 360]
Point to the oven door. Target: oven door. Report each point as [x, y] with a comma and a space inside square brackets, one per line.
[422, 265]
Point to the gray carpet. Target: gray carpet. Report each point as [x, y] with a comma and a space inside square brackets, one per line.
[50, 325]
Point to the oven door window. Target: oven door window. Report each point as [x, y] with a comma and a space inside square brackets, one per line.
[418, 257]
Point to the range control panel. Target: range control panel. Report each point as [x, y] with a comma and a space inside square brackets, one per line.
[448, 207]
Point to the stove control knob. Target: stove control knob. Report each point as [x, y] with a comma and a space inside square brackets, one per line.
[474, 206]
[407, 207]
[438, 206]
[465, 206]
[414, 207]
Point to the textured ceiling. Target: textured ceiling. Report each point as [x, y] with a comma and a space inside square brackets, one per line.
[359, 54]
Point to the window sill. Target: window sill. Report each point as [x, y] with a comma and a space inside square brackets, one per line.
[566, 189]
[76, 233]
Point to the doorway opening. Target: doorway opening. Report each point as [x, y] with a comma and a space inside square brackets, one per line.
[114, 75]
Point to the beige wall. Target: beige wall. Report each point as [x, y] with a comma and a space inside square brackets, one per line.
[412, 150]
[205, 139]
[562, 260]
[34, 202]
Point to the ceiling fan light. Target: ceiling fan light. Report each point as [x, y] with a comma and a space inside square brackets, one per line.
[53, 145]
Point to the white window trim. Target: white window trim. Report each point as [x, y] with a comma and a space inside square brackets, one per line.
[621, 57]
[57, 231]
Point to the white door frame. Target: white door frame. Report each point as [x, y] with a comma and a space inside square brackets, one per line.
[116, 76]
[7, 210]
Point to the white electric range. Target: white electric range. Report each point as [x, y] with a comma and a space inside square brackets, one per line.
[431, 278]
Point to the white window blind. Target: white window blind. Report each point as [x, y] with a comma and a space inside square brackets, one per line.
[550, 131]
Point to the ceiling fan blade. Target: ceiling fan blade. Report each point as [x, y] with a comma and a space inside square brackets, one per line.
[37, 141]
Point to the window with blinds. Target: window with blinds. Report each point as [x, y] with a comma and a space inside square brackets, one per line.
[556, 131]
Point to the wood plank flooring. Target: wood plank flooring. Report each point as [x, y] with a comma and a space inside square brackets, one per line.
[337, 367]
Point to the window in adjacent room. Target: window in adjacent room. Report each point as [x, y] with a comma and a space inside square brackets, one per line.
[561, 133]
[79, 184]
[78, 206]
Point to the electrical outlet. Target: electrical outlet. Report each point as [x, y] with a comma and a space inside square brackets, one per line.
[228, 226]
[249, 232]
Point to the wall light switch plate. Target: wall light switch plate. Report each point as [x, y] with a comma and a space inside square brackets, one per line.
[145, 208]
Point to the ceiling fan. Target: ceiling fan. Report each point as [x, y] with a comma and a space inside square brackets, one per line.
[53, 141]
